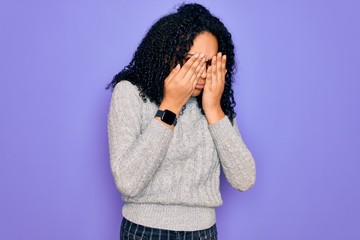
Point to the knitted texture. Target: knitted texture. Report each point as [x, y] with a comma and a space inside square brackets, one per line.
[170, 178]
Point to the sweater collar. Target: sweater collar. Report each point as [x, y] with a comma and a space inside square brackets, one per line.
[192, 99]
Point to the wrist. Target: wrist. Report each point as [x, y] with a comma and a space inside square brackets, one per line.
[167, 117]
[214, 115]
[175, 108]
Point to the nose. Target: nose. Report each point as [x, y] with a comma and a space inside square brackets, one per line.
[203, 74]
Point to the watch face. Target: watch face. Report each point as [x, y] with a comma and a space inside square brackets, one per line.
[168, 117]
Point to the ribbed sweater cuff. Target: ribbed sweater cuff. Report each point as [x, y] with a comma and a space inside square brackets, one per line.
[158, 128]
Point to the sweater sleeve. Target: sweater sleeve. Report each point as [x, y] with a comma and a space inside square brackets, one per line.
[235, 158]
[135, 155]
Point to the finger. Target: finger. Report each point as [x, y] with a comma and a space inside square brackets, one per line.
[223, 67]
[202, 69]
[218, 66]
[194, 81]
[173, 73]
[213, 68]
[187, 66]
[195, 68]
[208, 81]
[196, 75]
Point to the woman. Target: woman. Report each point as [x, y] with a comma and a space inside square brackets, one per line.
[171, 124]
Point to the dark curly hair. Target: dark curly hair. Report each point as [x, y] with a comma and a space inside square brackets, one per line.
[167, 43]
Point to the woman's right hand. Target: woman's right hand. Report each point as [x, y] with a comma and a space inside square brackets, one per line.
[181, 82]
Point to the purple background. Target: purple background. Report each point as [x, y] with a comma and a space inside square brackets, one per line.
[297, 94]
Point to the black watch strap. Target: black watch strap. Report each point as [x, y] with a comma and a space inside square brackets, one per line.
[167, 116]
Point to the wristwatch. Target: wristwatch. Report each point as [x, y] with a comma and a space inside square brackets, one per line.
[167, 116]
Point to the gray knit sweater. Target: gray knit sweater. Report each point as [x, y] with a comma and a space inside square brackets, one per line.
[169, 178]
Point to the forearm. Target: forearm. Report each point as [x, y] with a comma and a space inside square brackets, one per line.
[135, 153]
[134, 164]
[236, 160]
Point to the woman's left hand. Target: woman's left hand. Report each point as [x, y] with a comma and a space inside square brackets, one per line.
[214, 88]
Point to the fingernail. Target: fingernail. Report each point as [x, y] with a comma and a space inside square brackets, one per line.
[202, 55]
[196, 55]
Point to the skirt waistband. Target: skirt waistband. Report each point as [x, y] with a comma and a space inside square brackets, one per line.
[131, 230]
